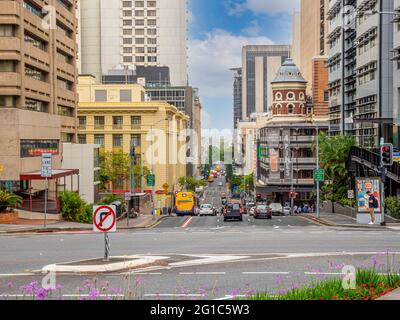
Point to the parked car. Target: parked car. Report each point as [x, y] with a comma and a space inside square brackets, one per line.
[262, 211]
[276, 208]
[233, 212]
[287, 211]
[206, 210]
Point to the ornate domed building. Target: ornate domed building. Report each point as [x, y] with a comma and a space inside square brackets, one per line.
[289, 91]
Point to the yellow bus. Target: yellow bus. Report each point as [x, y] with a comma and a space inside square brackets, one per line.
[185, 203]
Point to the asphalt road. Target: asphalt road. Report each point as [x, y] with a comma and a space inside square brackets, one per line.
[206, 257]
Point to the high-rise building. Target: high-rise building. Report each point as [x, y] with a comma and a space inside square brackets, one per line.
[296, 38]
[319, 89]
[237, 96]
[396, 77]
[259, 66]
[360, 70]
[142, 33]
[37, 86]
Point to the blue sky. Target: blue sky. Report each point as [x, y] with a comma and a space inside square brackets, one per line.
[217, 31]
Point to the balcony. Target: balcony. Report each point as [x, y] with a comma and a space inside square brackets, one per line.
[11, 48]
[37, 86]
[10, 79]
[99, 127]
[117, 126]
[10, 12]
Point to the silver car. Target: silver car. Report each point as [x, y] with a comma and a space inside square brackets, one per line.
[206, 210]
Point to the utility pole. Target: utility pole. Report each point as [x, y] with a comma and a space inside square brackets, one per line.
[152, 172]
[132, 182]
[317, 206]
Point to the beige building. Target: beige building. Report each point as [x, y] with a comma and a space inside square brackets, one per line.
[37, 85]
[313, 36]
[114, 116]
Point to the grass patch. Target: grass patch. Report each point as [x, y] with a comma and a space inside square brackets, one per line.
[369, 285]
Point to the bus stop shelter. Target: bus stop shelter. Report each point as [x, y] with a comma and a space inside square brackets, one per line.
[59, 177]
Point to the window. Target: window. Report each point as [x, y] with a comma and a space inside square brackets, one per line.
[302, 96]
[64, 30]
[127, 32]
[290, 96]
[64, 84]
[290, 108]
[117, 140]
[7, 101]
[278, 96]
[139, 59]
[139, 22]
[35, 105]
[34, 9]
[152, 41]
[66, 111]
[127, 13]
[127, 22]
[82, 122]
[151, 22]
[139, 13]
[7, 66]
[139, 49]
[127, 59]
[7, 30]
[127, 4]
[136, 121]
[82, 138]
[127, 49]
[152, 49]
[152, 32]
[139, 40]
[151, 4]
[152, 59]
[99, 139]
[125, 95]
[35, 148]
[65, 4]
[136, 139]
[151, 13]
[127, 41]
[100, 95]
[139, 32]
[35, 73]
[118, 122]
[99, 122]
[64, 57]
[139, 4]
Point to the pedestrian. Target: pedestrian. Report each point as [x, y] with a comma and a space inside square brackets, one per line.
[295, 209]
[169, 210]
[372, 205]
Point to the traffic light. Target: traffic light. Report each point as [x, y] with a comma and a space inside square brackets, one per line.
[292, 194]
[387, 154]
[258, 196]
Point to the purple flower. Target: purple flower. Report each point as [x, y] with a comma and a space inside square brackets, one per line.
[282, 292]
[10, 285]
[278, 280]
[87, 284]
[116, 291]
[235, 292]
[30, 288]
[295, 286]
[41, 294]
[94, 293]
[59, 287]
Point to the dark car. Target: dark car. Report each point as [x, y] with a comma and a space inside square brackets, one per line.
[233, 212]
[262, 212]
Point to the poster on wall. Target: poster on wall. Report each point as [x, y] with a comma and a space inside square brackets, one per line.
[364, 188]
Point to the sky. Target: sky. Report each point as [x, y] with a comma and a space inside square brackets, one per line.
[218, 29]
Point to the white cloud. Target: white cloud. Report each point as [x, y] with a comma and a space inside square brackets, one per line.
[211, 58]
[253, 29]
[269, 7]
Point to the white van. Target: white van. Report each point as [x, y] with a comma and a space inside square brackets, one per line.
[276, 208]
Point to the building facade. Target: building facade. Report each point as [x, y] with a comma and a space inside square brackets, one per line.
[319, 89]
[396, 76]
[361, 70]
[116, 117]
[259, 66]
[142, 33]
[237, 96]
[37, 85]
[286, 161]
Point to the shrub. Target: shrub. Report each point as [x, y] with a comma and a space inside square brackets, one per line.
[9, 200]
[393, 206]
[74, 208]
[109, 199]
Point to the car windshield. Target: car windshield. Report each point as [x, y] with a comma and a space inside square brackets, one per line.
[206, 206]
[236, 207]
[261, 207]
[275, 205]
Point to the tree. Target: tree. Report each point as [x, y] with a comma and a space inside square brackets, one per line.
[191, 183]
[333, 154]
[115, 168]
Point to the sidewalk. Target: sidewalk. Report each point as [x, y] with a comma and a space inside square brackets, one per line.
[37, 226]
[341, 220]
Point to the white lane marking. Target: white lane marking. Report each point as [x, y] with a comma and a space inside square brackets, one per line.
[149, 273]
[230, 297]
[67, 295]
[264, 272]
[210, 273]
[186, 273]
[186, 223]
[179, 295]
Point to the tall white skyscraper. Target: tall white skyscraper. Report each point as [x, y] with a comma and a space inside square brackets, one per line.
[129, 32]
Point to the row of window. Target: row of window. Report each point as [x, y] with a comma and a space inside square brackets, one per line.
[140, 59]
[139, 50]
[139, 32]
[140, 41]
[117, 140]
[139, 4]
[99, 121]
[140, 13]
[290, 96]
[140, 22]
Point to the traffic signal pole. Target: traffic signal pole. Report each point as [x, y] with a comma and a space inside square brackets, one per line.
[317, 206]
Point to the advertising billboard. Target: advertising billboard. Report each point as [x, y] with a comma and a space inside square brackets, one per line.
[363, 185]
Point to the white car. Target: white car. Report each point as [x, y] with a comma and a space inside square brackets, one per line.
[277, 208]
[206, 210]
[287, 211]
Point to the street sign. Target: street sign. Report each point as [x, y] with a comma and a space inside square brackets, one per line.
[151, 180]
[350, 194]
[127, 196]
[396, 156]
[319, 175]
[104, 219]
[46, 165]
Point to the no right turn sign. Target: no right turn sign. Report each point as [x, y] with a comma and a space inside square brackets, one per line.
[104, 219]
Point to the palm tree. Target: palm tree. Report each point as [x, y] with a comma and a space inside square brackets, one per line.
[9, 200]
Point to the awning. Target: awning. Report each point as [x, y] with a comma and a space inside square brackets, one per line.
[55, 174]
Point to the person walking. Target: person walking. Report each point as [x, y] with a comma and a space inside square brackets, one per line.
[372, 205]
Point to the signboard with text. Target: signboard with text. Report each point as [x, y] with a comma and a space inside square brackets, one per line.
[46, 165]
[104, 219]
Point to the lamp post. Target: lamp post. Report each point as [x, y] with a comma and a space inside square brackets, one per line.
[132, 182]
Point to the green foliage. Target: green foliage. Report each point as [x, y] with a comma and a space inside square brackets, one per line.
[109, 199]
[393, 206]
[74, 208]
[191, 183]
[9, 200]
[115, 168]
[333, 154]
[370, 285]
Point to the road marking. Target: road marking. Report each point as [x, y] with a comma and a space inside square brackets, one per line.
[265, 272]
[149, 274]
[67, 295]
[179, 295]
[210, 273]
[187, 222]
[16, 274]
[230, 297]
